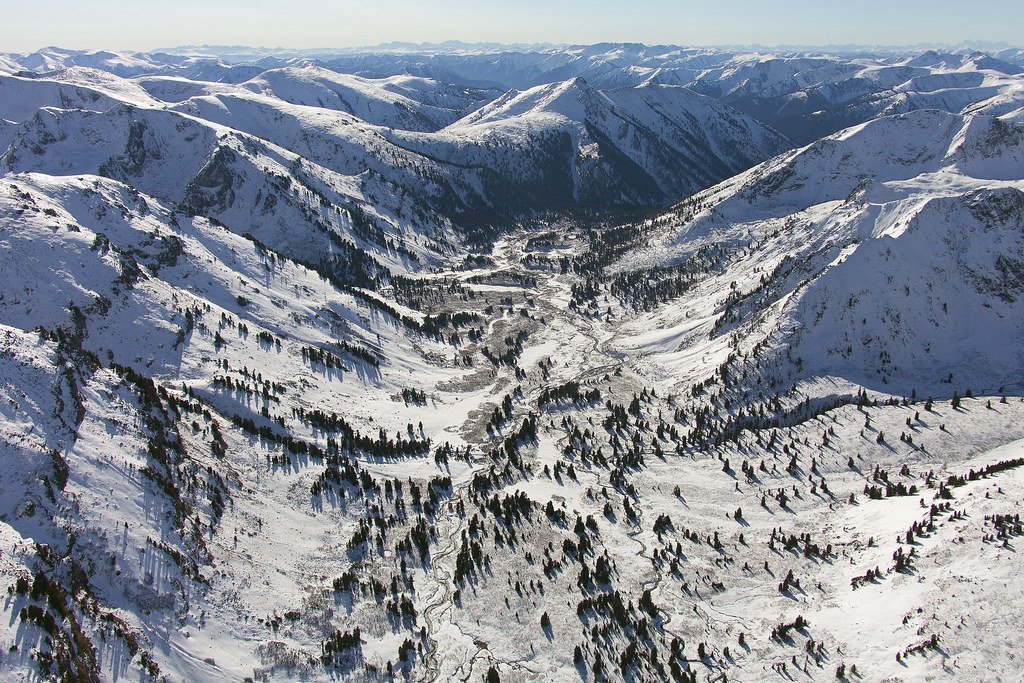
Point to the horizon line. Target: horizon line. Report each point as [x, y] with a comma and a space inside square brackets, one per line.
[404, 45]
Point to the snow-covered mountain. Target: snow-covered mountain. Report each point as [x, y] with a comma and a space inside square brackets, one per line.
[545, 148]
[805, 95]
[23, 97]
[402, 102]
[55, 58]
[633, 147]
[555, 363]
[106, 291]
[808, 98]
[308, 212]
[872, 257]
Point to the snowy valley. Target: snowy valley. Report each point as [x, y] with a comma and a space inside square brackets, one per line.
[591, 363]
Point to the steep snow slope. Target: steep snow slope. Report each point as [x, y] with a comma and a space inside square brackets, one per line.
[121, 89]
[643, 145]
[20, 98]
[309, 212]
[8, 65]
[7, 129]
[174, 89]
[402, 103]
[874, 258]
[99, 467]
[699, 127]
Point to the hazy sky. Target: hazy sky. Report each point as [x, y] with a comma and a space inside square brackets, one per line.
[146, 24]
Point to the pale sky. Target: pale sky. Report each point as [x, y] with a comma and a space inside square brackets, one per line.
[27, 25]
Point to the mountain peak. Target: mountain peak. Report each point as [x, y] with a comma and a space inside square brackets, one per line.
[573, 99]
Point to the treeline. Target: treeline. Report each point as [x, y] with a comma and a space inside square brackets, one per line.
[568, 393]
[988, 470]
[348, 439]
